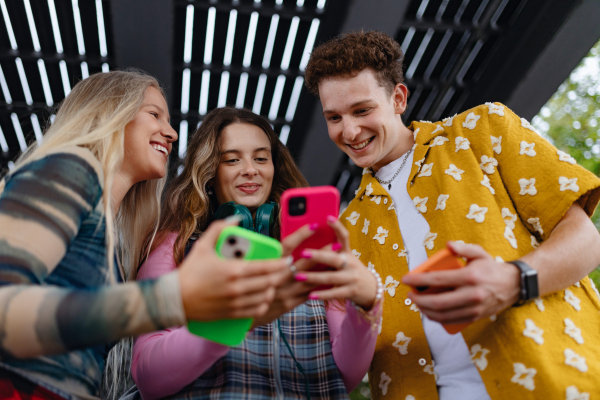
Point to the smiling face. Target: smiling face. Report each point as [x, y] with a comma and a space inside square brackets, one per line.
[148, 139]
[364, 119]
[245, 172]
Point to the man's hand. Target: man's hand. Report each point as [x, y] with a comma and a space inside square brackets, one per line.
[483, 288]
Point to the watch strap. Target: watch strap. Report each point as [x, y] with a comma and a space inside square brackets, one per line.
[529, 282]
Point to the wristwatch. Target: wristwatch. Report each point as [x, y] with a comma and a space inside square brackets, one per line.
[529, 283]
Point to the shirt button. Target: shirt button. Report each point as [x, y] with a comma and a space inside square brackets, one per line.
[408, 302]
[422, 362]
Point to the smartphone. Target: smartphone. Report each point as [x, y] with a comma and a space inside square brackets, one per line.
[236, 243]
[302, 206]
[442, 260]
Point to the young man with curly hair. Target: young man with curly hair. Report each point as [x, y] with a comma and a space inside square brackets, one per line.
[485, 185]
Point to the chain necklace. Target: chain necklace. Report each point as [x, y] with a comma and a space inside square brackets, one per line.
[389, 181]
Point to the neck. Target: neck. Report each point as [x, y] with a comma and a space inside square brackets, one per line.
[121, 185]
[405, 142]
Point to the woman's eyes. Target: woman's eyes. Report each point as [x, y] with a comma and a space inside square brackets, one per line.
[154, 114]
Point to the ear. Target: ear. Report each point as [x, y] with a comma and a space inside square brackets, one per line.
[399, 98]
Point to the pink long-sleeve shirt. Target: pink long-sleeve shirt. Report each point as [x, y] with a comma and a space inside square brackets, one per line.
[164, 362]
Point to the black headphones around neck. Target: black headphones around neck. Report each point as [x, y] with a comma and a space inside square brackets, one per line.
[263, 221]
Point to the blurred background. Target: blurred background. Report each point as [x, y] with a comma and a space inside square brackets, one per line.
[539, 57]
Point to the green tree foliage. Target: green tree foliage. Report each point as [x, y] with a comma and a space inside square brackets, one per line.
[570, 120]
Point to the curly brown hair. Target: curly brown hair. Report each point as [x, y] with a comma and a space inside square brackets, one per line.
[352, 52]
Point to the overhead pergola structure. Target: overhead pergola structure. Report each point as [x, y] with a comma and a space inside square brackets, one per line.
[46, 47]
[252, 53]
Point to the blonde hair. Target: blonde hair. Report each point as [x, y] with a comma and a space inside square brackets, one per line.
[94, 116]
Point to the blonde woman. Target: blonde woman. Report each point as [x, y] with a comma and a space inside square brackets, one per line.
[91, 187]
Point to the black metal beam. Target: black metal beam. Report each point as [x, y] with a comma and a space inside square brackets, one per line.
[143, 37]
[320, 158]
[562, 54]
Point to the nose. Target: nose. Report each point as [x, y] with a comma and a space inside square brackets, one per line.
[249, 169]
[351, 129]
[169, 133]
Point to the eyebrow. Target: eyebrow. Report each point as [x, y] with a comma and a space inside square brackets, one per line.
[239, 151]
[162, 110]
[353, 105]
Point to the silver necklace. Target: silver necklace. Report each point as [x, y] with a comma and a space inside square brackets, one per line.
[389, 181]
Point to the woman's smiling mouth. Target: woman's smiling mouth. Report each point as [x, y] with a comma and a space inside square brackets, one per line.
[249, 188]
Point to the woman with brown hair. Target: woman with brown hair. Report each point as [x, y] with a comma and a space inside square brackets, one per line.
[312, 351]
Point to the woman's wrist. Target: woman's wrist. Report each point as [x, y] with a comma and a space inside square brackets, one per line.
[374, 297]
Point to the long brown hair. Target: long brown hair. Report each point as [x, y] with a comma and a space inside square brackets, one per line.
[187, 207]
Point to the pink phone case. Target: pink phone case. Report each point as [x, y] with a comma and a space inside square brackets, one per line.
[321, 202]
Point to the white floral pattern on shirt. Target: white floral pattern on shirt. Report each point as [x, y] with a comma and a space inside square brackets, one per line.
[495, 109]
[573, 331]
[439, 141]
[401, 343]
[537, 226]
[534, 332]
[426, 170]
[478, 356]
[369, 189]
[383, 384]
[573, 359]
[526, 124]
[437, 129]
[429, 240]
[527, 187]
[381, 235]
[390, 285]
[420, 204]
[573, 300]
[477, 213]
[524, 376]
[566, 157]
[486, 182]
[441, 201]
[568, 184]
[365, 228]
[356, 253]
[448, 121]
[461, 144]
[454, 172]
[509, 218]
[352, 218]
[539, 303]
[376, 199]
[488, 164]
[574, 394]
[496, 144]
[403, 253]
[527, 149]
[471, 121]
[510, 236]
[534, 243]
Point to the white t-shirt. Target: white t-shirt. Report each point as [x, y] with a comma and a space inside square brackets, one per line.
[457, 377]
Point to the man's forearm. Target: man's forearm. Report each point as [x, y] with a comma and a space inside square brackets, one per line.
[570, 253]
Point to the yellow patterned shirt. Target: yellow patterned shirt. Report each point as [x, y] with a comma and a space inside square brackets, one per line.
[483, 177]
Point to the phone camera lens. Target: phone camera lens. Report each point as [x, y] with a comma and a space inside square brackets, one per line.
[297, 206]
[231, 240]
[238, 254]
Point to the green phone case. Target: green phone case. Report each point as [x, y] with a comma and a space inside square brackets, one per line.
[232, 332]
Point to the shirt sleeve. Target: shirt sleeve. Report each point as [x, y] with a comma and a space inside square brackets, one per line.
[352, 342]
[542, 181]
[175, 353]
[41, 209]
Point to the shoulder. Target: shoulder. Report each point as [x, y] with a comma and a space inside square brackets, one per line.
[160, 261]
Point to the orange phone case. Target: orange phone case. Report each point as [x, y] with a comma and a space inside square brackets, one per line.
[442, 260]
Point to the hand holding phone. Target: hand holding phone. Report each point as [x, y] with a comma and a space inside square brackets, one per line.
[442, 260]
[310, 206]
[236, 243]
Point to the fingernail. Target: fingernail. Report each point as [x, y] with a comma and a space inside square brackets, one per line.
[313, 226]
[306, 254]
[336, 246]
[300, 277]
[313, 296]
[331, 218]
[289, 260]
[233, 218]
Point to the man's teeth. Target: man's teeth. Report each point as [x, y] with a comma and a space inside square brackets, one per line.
[160, 148]
[361, 145]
